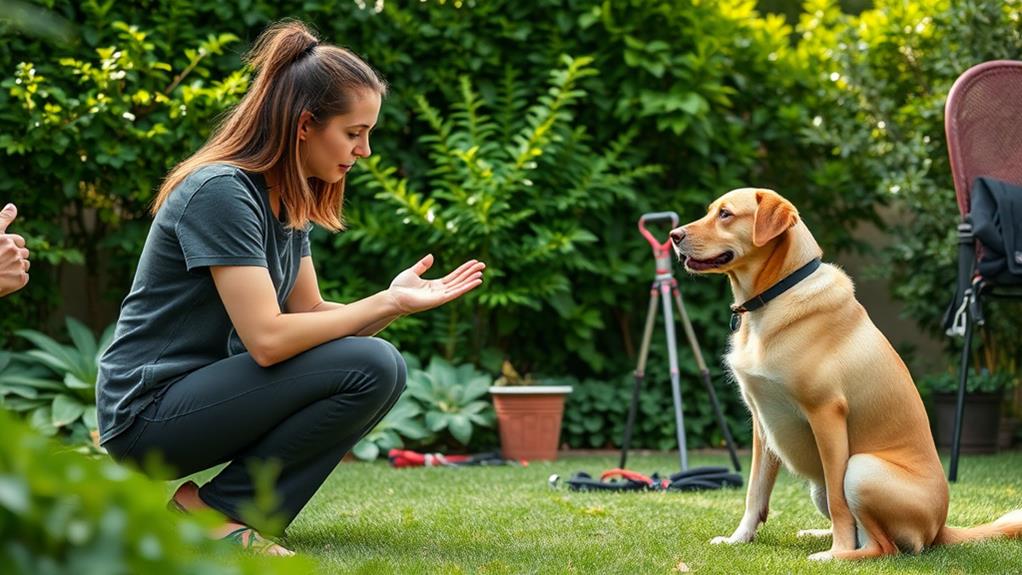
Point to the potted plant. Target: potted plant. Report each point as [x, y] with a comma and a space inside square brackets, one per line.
[528, 415]
[440, 409]
[984, 396]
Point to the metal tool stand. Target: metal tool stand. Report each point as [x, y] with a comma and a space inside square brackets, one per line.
[664, 285]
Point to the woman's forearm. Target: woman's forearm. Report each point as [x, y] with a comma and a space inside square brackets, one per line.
[292, 333]
[369, 330]
[272, 335]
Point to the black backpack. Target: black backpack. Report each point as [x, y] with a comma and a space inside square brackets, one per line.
[996, 212]
[995, 220]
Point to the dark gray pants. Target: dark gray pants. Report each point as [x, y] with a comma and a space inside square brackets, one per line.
[304, 414]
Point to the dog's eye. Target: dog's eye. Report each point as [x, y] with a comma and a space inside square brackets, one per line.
[724, 214]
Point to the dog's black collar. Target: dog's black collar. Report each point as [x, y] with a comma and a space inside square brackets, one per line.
[773, 291]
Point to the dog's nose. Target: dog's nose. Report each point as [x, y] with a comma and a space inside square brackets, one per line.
[677, 235]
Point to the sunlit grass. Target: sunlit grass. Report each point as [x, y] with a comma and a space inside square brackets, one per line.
[369, 518]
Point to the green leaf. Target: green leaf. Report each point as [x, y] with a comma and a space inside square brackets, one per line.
[89, 418]
[412, 363]
[411, 429]
[14, 494]
[440, 372]
[56, 363]
[66, 410]
[475, 407]
[72, 382]
[389, 440]
[404, 410]
[436, 421]
[477, 387]
[105, 340]
[42, 421]
[19, 390]
[461, 428]
[82, 337]
[418, 386]
[53, 354]
[29, 381]
[366, 450]
[20, 404]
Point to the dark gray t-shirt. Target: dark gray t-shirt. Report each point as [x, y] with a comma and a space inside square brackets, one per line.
[173, 321]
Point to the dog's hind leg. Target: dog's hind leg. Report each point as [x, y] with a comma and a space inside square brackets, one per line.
[891, 508]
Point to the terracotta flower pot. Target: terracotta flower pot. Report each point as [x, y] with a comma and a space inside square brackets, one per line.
[529, 420]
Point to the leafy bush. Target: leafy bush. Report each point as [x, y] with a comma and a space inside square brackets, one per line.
[884, 77]
[88, 129]
[450, 399]
[711, 94]
[516, 185]
[402, 422]
[723, 112]
[55, 384]
[981, 381]
[596, 412]
[62, 513]
[440, 403]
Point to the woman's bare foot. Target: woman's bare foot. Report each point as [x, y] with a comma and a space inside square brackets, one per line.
[187, 499]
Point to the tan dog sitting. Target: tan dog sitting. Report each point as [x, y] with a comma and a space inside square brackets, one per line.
[829, 396]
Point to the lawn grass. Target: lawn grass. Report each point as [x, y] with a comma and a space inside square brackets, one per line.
[369, 518]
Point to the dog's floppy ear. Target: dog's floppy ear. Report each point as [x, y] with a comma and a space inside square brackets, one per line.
[774, 215]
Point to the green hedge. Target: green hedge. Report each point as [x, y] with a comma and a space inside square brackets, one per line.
[693, 96]
[596, 412]
[882, 120]
[679, 101]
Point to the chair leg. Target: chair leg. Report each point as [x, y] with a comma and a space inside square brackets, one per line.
[963, 378]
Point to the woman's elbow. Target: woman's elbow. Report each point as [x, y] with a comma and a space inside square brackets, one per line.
[263, 358]
[264, 352]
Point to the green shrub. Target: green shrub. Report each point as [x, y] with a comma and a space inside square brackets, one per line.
[883, 80]
[403, 422]
[981, 381]
[87, 131]
[55, 384]
[442, 408]
[709, 93]
[512, 181]
[62, 513]
[450, 399]
[596, 413]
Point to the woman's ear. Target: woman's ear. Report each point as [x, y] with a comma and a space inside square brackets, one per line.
[304, 125]
[774, 215]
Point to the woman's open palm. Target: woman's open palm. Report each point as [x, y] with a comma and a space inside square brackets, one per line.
[413, 294]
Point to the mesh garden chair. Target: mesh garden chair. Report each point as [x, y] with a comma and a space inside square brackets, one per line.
[983, 124]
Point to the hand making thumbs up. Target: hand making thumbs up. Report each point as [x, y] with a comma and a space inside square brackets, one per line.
[14, 262]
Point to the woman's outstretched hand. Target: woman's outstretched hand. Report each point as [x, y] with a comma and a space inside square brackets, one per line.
[413, 294]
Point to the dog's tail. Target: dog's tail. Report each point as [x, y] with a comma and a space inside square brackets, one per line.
[1009, 526]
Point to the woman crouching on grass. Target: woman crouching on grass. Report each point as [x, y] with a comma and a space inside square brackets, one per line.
[224, 349]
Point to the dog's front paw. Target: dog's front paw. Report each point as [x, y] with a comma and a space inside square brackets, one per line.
[821, 556]
[740, 536]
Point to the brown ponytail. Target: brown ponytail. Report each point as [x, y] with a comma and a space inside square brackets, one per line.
[294, 72]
